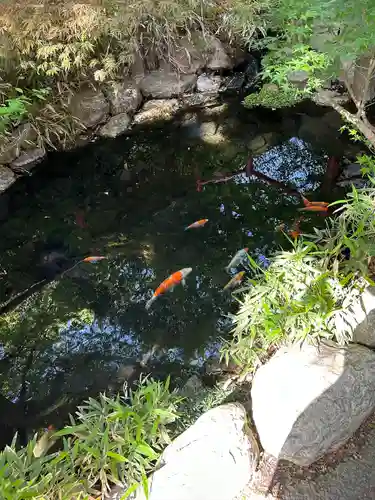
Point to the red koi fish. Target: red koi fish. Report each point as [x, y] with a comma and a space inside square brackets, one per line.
[93, 259]
[80, 219]
[169, 283]
[198, 223]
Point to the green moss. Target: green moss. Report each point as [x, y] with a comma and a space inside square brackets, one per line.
[270, 96]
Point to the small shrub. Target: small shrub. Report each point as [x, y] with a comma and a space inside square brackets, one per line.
[274, 98]
[306, 293]
[110, 441]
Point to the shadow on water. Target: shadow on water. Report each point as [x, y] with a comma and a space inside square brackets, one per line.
[86, 330]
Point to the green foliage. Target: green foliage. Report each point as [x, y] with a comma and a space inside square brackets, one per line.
[205, 399]
[280, 63]
[274, 98]
[98, 39]
[306, 293]
[111, 441]
[294, 300]
[14, 109]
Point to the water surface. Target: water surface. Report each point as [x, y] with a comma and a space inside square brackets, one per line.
[82, 329]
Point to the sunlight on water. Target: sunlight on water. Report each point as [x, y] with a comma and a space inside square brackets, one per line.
[87, 328]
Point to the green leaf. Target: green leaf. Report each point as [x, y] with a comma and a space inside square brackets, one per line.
[146, 450]
[117, 456]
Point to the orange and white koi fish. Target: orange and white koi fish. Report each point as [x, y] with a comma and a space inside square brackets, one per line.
[94, 258]
[169, 283]
[198, 223]
[235, 281]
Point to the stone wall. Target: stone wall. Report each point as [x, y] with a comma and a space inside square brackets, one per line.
[115, 108]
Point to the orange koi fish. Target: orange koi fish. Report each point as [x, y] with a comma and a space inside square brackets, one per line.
[169, 283]
[235, 281]
[93, 259]
[314, 206]
[198, 223]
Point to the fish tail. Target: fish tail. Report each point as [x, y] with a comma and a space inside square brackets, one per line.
[150, 302]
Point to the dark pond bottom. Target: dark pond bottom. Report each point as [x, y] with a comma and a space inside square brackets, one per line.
[80, 328]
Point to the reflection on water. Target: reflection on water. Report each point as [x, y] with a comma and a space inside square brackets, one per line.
[80, 332]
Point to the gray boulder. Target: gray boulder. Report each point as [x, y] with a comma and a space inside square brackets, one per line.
[218, 58]
[361, 317]
[7, 178]
[208, 83]
[90, 107]
[156, 110]
[116, 125]
[163, 84]
[23, 137]
[124, 97]
[189, 56]
[351, 170]
[213, 460]
[309, 401]
[298, 78]
[28, 160]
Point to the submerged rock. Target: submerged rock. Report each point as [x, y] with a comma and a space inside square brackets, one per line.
[192, 386]
[116, 125]
[164, 84]
[214, 459]
[351, 170]
[309, 401]
[90, 107]
[261, 143]
[208, 83]
[123, 97]
[27, 160]
[155, 110]
[7, 178]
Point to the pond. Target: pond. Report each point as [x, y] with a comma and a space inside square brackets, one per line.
[71, 329]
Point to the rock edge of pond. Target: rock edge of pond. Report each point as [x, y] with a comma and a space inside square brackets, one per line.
[115, 108]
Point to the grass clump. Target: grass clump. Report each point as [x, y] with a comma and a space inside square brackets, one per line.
[110, 441]
[55, 47]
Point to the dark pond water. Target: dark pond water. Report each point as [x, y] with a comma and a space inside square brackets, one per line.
[73, 333]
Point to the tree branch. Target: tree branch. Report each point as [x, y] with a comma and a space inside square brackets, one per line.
[349, 87]
[370, 71]
[360, 123]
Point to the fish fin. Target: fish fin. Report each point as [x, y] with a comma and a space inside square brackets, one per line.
[183, 282]
[150, 302]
